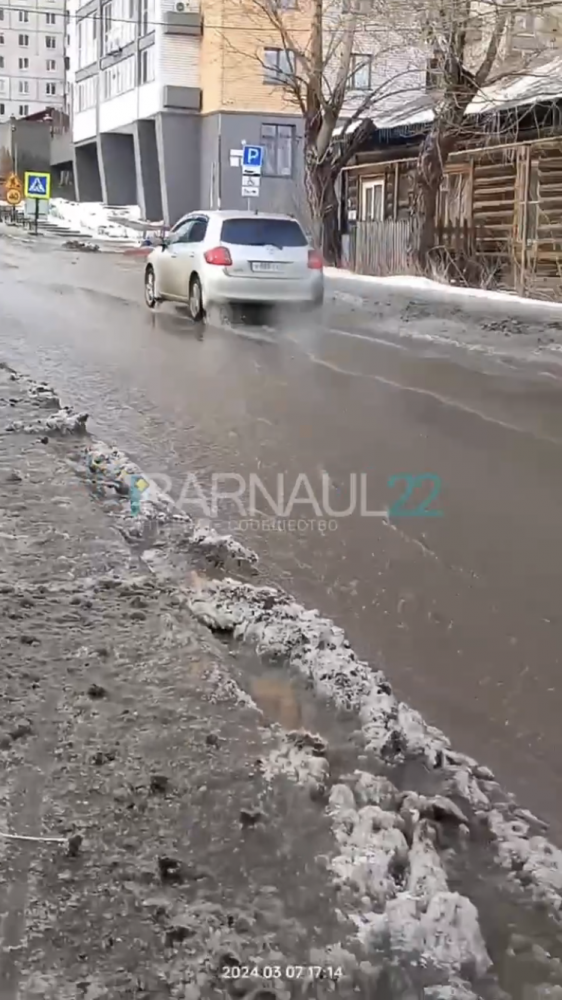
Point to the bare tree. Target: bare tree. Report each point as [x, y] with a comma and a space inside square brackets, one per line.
[331, 74]
[448, 31]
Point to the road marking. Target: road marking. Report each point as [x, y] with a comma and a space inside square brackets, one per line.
[371, 340]
[444, 400]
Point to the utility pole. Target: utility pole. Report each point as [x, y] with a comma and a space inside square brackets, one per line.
[14, 155]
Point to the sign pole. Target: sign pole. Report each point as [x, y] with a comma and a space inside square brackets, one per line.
[252, 163]
[37, 217]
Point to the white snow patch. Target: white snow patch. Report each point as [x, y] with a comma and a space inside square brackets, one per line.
[94, 219]
[222, 546]
[296, 758]
[420, 918]
[416, 283]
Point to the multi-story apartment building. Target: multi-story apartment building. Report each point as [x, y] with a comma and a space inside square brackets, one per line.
[165, 95]
[32, 56]
[167, 92]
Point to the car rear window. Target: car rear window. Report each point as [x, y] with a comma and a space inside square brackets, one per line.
[260, 232]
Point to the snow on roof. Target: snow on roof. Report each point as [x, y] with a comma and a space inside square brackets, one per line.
[542, 82]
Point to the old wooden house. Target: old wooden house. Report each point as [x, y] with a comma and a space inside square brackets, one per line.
[499, 213]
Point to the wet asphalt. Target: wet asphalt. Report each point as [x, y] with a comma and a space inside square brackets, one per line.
[462, 610]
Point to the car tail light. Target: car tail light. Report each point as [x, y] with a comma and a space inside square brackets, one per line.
[219, 256]
[315, 260]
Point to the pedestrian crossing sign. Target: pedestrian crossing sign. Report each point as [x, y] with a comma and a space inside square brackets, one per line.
[37, 185]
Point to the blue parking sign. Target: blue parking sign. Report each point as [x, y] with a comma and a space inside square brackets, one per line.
[252, 158]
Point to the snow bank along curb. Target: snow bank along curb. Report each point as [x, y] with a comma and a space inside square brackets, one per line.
[390, 847]
[418, 284]
[112, 469]
[280, 627]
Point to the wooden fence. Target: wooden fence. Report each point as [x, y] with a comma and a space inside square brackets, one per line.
[459, 254]
[381, 247]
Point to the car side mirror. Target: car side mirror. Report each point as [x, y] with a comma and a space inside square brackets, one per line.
[164, 242]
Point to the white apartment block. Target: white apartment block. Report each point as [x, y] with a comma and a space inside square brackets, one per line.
[135, 101]
[32, 56]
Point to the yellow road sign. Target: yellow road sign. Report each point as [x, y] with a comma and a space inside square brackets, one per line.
[37, 185]
[13, 196]
[13, 183]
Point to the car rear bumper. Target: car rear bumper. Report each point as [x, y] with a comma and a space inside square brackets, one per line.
[220, 289]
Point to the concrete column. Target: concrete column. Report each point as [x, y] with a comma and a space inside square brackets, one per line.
[148, 170]
[87, 173]
[178, 141]
[117, 168]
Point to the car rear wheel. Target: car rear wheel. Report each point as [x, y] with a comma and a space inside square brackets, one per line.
[150, 287]
[195, 299]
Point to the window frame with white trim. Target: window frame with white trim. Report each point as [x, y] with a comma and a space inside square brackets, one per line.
[368, 201]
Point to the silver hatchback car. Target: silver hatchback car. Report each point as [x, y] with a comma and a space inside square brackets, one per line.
[224, 258]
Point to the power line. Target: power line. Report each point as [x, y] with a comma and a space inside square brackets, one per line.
[267, 29]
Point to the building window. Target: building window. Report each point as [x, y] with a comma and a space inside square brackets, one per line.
[1, 39]
[147, 16]
[86, 93]
[51, 65]
[23, 62]
[23, 110]
[2, 110]
[119, 78]
[23, 17]
[279, 64]
[50, 41]
[1, 13]
[278, 141]
[23, 87]
[360, 71]
[23, 41]
[87, 41]
[372, 200]
[2, 86]
[106, 13]
[50, 18]
[50, 89]
[1, 62]
[147, 65]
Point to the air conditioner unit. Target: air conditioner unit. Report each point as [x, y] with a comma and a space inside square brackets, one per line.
[180, 7]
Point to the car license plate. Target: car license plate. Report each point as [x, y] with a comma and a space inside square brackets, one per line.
[266, 265]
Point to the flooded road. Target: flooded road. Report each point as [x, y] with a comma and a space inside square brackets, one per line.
[463, 610]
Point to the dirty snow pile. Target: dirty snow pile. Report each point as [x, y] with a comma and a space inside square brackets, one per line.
[391, 858]
[62, 422]
[40, 393]
[388, 858]
[281, 628]
[112, 469]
